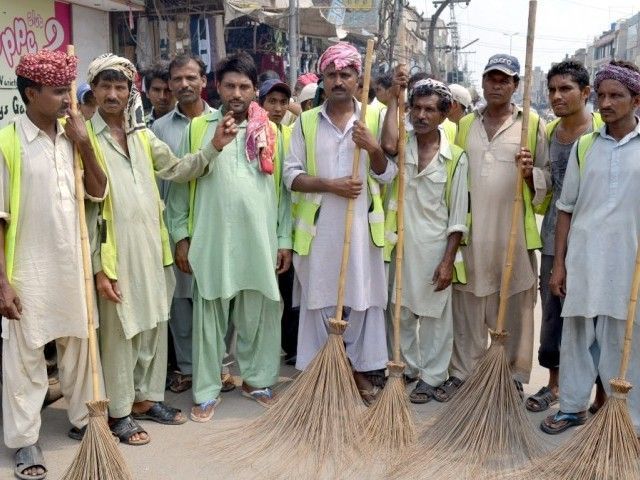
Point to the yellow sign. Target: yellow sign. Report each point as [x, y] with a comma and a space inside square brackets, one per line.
[358, 4]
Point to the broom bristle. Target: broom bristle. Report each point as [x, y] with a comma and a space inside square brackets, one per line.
[606, 448]
[388, 423]
[311, 431]
[484, 427]
[99, 457]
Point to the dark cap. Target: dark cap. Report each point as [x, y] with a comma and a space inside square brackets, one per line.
[274, 85]
[504, 63]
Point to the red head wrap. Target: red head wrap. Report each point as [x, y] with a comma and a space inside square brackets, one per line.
[50, 68]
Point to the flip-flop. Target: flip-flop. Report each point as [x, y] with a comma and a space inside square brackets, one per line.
[161, 413]
[541, 400]
[26, 458]
[562, 421]
[264, 396]
[209, 408]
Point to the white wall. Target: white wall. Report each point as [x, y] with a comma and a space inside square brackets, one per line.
[91, 36]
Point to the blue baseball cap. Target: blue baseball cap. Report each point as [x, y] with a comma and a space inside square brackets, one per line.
[504, 63]
[83, 89]
[271, 85]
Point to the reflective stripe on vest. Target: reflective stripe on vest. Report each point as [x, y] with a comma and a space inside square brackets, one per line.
[108, 248]
[585, 142]
[532, 235]
[10, 148]
[391, 214]
[306, 207]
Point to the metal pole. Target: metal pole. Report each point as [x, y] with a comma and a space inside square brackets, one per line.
[293, 43]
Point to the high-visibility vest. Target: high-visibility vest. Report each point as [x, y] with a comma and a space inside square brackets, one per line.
[108, 248]
[306, 206]
[10, 148]
[197, 130]
[391, 214]
[549, 129]
[450, 130]
[531, 233]
[585, 142]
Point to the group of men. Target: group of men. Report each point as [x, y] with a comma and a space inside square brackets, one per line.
[256, 195]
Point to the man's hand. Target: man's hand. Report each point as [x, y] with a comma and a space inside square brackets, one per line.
[558, 281]
[346, 187]
[10, 306]
[283, 261]
[108, 288]
[225, 132]
[182, 256]
[363, 137]
[400, 80]
[75, 128]
[443, 275]
[525, 161]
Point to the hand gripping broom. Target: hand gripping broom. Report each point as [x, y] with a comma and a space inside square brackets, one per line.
[315, 426]
[388, 422]
[485, 426]
[607, 448]
[98, 457]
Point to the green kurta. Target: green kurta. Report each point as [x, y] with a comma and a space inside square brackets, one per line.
[239, 222]
[146, 285]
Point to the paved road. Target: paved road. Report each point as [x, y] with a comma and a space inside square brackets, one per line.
[183, 452]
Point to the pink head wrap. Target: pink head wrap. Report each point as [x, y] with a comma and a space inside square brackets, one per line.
[307, 78]
[49, 68]
[629, 78]
[261, 139]
[342, 55]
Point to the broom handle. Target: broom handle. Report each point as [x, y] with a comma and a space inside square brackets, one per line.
[400, 224]
[516, 212]
[355, 174]
[86, 252]
[631, 316]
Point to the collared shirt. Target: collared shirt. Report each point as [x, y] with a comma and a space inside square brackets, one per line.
[428, 222]
[492, 185]
[47, 274]
[605, 225]
[318, 272]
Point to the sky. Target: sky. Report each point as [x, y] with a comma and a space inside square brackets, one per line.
[562, 26]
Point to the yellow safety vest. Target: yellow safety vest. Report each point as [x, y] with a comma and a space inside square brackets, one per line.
[10, 148]
[531, 233]
[197, 130]
[108, 247]
[391, 214]
[306, 206]
[450, 130]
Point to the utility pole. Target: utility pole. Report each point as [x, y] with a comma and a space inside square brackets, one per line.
[293, 42]
[431, 47]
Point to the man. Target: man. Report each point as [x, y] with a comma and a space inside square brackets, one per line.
[435, 211]
[187, 78]
[156, 84]
[321, 178]
[461, 102]
[86, 101]
[235, 223]
[132, 255]
[382, 88]
[568, 86]
[274, 97]
[307, 95]
[491, 139]
[41, 277]
[596, 241]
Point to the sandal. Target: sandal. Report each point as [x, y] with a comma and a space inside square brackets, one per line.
[520, 388]
[369, 396]
[76, 433]
[126, 427]
[561, 421]
[542, 400]
[409, 380]
[264, 396]
[422, 393]
[447, 390]
[26, 458]
[377, 378]
[180, 382]
[161, 413]
[207, 408]
[227, 382]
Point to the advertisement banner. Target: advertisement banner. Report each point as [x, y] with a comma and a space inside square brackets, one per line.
[26, 27]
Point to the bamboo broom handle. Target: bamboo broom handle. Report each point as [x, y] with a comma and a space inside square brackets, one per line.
[400, 224]
[355, 173]
[86, 252]
[631, 316]
[516, 212]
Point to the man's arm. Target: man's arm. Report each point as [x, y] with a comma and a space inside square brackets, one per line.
[389, 138]
[10, 306]
[558, 280]
[364, 139]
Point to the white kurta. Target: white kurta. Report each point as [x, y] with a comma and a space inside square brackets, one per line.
[47, 271]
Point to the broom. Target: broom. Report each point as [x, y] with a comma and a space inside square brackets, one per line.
[485, 426]
[98, 457]
[607, 447]
[316, 423]
[388, 424]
